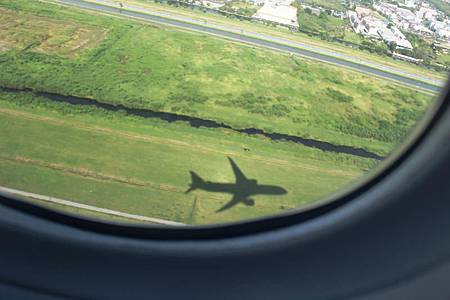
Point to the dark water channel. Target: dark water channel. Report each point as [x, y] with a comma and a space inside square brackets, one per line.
[198, 122]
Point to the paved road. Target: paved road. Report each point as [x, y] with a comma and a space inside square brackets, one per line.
[8, 192]
[262, 41]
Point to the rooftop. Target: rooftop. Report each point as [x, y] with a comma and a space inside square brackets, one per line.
[278, 12]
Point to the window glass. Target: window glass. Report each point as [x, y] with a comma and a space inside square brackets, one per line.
[196, 112]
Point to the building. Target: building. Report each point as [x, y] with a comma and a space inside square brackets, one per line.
[409, 3]
[402, 42]
[257, 2]
[371, 26]
[314, 10]
[366, 22]
[443, 33]
[426, 13]
[363, 22]
[421, 30]
[406, 58]
[391, 35]
[363, 12]
[443, 46]
[280, 12]
[355, 22]
[405, 14]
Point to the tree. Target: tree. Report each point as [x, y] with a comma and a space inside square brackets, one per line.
[393, 46]
[368, 3]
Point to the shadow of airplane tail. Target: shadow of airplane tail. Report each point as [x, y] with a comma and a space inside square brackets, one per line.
[196, 183]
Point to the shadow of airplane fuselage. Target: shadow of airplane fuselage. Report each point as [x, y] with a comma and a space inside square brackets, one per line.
[241, 190]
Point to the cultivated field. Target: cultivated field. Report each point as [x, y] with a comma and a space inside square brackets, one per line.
[141, 166]
[22, 31]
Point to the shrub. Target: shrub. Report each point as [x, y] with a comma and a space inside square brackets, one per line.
[338, 95]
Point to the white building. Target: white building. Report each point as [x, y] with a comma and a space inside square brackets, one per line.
[394, 35]
[422, 30]
[363, 12]
[407, 58]
[401, 41]
[257, 2]
[366, 22]
[409, 3]
[406, 14]
[443, 46]
[443, 33]
[355, 22]
[280, 12]
[437, 25]
[371, 26]
[314, 10]
[426, 13]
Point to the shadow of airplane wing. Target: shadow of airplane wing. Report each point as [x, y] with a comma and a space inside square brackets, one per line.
[235, 200]
[240, 177]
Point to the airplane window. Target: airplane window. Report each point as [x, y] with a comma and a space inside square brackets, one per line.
[191, 112]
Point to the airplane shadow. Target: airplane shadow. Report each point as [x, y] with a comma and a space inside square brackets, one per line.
[241, 190]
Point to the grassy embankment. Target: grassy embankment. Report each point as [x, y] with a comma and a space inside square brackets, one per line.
[141, 166]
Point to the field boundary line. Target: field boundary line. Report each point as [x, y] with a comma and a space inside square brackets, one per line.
[86, 173]
[10, 191]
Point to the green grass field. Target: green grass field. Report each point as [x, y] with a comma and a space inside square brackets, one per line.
[325, 22]
[163, 69]
[141, 166]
